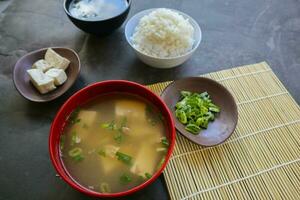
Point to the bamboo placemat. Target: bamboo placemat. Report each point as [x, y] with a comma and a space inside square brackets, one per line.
[261, 160]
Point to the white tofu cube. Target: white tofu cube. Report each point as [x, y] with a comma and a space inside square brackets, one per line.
[143, 162]
[87, 120]
[109, 165]
[134, 109]
[42, 65]
[58, 75]
[111, 150]
[56, 60]
[41, 81]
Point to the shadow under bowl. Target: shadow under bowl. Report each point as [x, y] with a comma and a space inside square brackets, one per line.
[99, 27]
[225, 122]
[25, 87]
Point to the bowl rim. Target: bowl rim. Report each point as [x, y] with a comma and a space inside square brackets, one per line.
[64, 174]
[199, 78]
[96, 20]
[36, 51]
[186, 16]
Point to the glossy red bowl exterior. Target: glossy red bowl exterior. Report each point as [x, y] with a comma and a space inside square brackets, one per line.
[88, 93]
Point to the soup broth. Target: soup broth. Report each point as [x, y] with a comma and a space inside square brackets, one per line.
[113, 143]
[97, 9]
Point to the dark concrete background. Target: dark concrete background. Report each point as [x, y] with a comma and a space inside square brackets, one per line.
[234, 33]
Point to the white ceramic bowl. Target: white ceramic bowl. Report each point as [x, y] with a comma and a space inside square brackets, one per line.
[162, 62]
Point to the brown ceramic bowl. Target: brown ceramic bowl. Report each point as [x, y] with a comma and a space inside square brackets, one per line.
[225, 122]
[25, 87]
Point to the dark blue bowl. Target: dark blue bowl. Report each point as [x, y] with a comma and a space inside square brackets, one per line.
[98, 27]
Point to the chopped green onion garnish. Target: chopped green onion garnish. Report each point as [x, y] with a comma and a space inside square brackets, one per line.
[76, 154]
[195, 111]
[160, 164]
[62, 141]
[104, 187]
[78, 158]
[75, 139]
[165, 141]
[110, 126]
[123, 122]
[125, 179]
[124, 158]
[147, 175]
[73, 116]
[202, 122]
[161, 149]
[194, 129]
[185, 93]
[102, 153]
[118, 137]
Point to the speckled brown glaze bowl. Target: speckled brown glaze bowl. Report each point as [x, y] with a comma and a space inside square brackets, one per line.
[225, 122]
[26, 88]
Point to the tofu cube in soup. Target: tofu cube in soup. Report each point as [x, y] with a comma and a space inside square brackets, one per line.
[56, 60]
[109, 165]
[144, 161]
[41, 65]
[138, 130]
[131, 109]
[41, 81]
[83, 123]
[58, 75]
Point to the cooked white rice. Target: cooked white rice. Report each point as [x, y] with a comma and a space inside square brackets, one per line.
[163, 33]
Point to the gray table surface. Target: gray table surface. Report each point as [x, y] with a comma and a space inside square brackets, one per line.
[234, 33]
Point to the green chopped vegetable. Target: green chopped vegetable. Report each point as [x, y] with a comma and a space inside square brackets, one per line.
[161, 162]
[76, 154]
[102, 153]
[147, 175]
[194, 129]
[125, 179]
[110, 126]
[181, 116]
[161, 149]
[62, 141]
[124, 158]
[78, 158]
[75, 139]
[202, 122]
[165, 142]
[104, 188]
[118, 137]
[73, 116]
[123, 122]
[195, 111]
[212, 107]
[185, 93]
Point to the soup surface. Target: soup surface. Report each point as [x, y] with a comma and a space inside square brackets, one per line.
[113, 143]
[97, 9]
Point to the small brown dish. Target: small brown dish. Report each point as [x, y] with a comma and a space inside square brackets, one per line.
[225, 122]
[25, 87]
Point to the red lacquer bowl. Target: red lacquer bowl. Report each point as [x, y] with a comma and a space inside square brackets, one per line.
[88, 93]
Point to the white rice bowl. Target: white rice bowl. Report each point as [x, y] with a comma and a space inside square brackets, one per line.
[163, 33]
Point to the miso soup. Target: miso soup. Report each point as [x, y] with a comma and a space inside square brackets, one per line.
[97, 9]
[114, 143]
